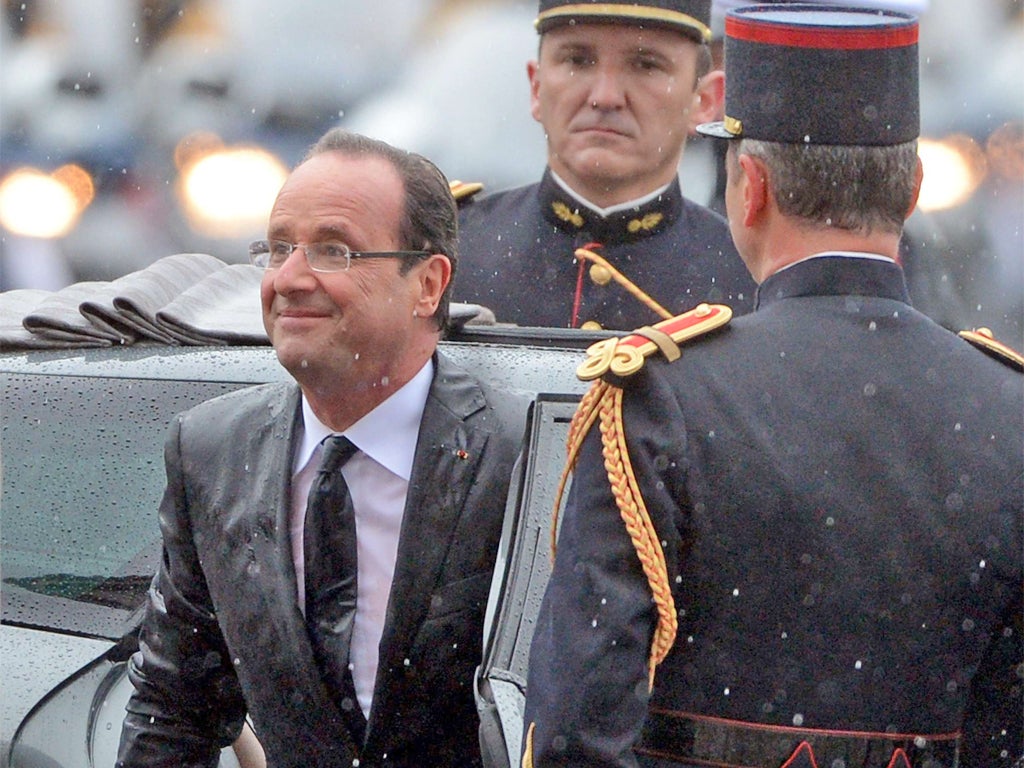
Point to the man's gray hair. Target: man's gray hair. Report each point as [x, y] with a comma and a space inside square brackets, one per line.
[854, 188]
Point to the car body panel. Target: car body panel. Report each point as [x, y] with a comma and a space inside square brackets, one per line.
[81, 463]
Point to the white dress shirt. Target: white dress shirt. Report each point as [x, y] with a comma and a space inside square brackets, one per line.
[378, 481]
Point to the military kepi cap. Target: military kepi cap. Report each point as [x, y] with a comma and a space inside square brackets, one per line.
[816, 74]
[691, 17]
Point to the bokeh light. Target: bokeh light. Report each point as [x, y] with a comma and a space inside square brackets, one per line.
[228, 192]
[37, 204]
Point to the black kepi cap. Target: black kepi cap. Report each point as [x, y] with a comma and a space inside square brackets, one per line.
[691, 17]
[816, 74]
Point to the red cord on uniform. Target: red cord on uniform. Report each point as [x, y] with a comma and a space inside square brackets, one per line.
[578, 298]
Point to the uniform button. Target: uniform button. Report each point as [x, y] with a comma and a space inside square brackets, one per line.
[600, 274]
[591, 325]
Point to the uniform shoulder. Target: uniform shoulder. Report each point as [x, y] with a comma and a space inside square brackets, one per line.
[464, 191]
[983, 339]
[477, 203]
[709, 228]
[625, 355]
[701, 213]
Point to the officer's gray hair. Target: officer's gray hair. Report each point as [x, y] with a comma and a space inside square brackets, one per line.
[856, 188]
[430, 221]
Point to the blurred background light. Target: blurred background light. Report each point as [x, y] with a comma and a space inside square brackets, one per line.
[37, 204]
[229, 192]
[954, 168]
[1005, 151]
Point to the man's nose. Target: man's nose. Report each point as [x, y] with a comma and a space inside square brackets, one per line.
[295, 273]
[606, 90]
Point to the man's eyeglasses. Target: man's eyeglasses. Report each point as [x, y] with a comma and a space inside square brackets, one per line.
[322, 257]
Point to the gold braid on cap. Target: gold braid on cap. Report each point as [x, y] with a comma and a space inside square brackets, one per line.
[733, 126]
[627, 11]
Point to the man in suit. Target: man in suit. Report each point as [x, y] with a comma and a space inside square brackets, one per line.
[359, 255]
[617, 89]
[796, 542]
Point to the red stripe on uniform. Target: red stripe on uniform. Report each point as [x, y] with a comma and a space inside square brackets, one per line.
[842, 38]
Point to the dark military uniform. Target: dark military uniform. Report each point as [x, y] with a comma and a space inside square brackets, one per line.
[516, 257]
[837, 486]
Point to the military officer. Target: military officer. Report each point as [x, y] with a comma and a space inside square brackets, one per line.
[606, 238]
[794, 541]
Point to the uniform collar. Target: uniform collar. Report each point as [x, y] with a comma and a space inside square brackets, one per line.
[836, 274]
[622, 224]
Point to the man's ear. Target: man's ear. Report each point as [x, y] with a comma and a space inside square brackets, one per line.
[708, 99]
[433, 276]
[756, 188]
[533, 73]
[918, 179]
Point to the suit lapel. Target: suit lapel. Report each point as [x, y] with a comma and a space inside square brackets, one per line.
[448, 453]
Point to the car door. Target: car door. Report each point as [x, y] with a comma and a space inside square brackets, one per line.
[520, 577]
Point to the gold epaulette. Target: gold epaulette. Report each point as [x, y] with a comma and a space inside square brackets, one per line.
[462, 191]
[603, 405]
[983, 339]
[625, 356]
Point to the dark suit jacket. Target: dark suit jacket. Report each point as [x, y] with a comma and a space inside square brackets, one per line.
[224, 635]
[837, 484]
[516, 257]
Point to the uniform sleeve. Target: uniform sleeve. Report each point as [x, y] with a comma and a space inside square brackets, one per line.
[587, 690]
[187, 702]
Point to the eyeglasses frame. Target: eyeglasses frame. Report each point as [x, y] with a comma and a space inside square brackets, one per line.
[263, 246]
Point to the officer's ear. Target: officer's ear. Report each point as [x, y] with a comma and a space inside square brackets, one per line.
[533, 73]
[756, 188]
[708, 99]
[918, 179]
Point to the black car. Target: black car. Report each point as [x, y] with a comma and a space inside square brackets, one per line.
[81, 440]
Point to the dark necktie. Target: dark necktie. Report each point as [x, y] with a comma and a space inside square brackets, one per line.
[330, 556]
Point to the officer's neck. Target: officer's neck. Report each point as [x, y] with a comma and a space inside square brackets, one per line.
[607, 210]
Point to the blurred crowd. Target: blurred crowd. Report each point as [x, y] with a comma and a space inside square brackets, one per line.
[130, 130]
